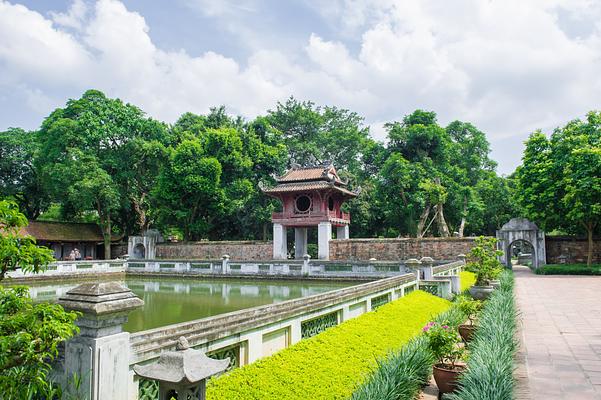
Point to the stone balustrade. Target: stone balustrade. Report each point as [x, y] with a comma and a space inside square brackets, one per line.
[73, 269]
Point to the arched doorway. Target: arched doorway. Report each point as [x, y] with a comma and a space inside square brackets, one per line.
[139, 251]
[515, 233]
[521, 252]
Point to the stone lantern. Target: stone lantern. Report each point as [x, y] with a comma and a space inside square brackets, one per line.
[182, 373]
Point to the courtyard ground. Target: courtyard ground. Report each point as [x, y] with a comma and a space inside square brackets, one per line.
[560, 356]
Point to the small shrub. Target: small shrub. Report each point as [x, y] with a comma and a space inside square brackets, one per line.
[443, 342]
[483, 261]
[470, 307]
[569, 269]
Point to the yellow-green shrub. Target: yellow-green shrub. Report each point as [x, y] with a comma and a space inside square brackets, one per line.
[332, 364]
[468, 279]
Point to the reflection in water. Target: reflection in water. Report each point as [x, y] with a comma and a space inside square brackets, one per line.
[172, 300]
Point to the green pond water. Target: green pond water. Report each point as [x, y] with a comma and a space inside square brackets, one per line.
[173, 300]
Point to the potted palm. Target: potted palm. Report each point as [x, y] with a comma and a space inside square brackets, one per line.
[483, 261]
[470, 308]
[443, 341]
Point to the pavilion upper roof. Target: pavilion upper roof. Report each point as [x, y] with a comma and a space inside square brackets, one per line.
[325, 172]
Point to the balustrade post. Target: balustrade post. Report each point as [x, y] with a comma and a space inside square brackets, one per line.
[99, 355]
[414, 265]
[462, 258]
[225, 262]
[306, 264]
[427, 268]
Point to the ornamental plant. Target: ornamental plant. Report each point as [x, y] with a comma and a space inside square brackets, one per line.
[468, 306]
[30, 333]
[483, 261]
[443, 341]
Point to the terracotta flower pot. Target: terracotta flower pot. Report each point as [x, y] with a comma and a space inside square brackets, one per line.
[446, 378]
[481, 292]
[466, 332]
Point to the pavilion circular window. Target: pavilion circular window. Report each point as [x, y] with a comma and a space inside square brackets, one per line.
[303, 203]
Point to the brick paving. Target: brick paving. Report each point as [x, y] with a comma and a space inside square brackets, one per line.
[561, 336]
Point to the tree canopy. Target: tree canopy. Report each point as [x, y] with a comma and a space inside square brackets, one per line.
[101, 159]
[559, 181]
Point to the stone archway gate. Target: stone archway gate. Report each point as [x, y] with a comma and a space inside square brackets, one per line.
[522, 229]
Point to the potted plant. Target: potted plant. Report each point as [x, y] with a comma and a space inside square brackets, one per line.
[471, 308]
[483, 261]
[443, 341]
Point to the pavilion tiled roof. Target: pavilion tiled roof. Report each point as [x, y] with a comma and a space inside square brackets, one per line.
[314, 173]
[63, 231]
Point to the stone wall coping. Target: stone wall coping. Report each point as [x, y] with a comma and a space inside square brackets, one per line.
[148, 344]
[215, 243]
[392, 240]
[568, 238]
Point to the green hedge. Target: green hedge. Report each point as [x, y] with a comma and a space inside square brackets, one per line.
[332, 364]
[489, 374]
[402, 374]
[468, 279]
[569, 269]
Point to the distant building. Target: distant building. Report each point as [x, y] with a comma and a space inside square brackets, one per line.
[62, 237]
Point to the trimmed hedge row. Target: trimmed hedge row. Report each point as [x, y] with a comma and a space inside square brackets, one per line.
[334, 363]
[468, 279]
[489, 374]
[569, 269]
[402, 374]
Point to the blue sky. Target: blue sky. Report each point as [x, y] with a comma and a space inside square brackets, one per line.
[509, 67]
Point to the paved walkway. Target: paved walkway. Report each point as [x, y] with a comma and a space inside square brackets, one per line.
[561, 335]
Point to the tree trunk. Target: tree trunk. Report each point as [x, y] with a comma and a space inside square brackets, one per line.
[106, 233]
[589, 257]
[463, 217]
[443, 229]
[422, 221]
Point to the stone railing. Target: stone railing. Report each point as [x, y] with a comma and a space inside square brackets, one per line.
[275, 268]
[74, 268]
[448, 269]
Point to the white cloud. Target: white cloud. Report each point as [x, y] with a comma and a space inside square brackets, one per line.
[509, 67]
[74, 17]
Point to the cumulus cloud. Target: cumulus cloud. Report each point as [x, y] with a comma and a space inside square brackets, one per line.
[509, 67]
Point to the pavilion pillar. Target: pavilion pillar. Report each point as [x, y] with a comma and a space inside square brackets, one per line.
[342, 232]
[280, 242]
[300, 243]
[324, 235]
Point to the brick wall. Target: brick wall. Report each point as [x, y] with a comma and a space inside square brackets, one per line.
[237, 250]
[399, 249]
[576, 249]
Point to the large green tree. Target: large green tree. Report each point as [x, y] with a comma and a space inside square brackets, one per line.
[559, 181]
[248, 153]
[413, 176]
[99, 154]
